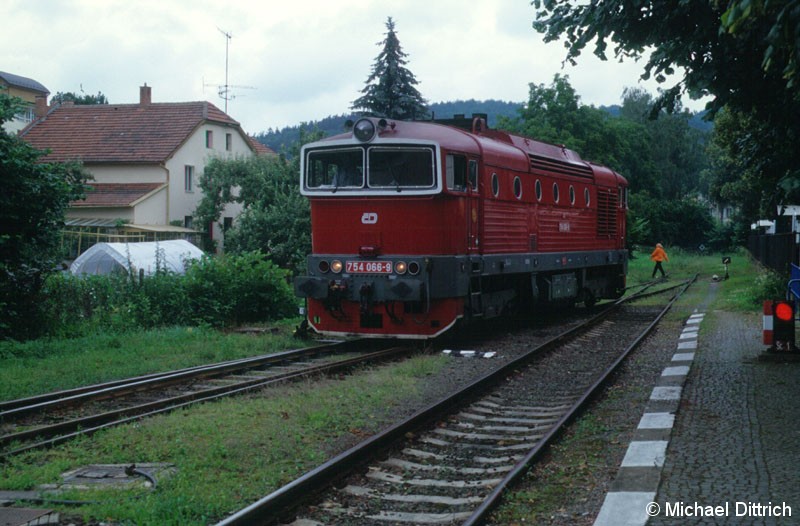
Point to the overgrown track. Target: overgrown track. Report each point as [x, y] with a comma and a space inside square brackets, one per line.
[450, 463]
[53, 418]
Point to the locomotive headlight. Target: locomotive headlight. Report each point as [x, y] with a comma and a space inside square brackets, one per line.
[400, 267]
[323, 266]
[413, 268]
[364, 130]
[336, 266]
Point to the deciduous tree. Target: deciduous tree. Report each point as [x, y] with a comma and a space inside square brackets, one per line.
[741, 53]
[83, 98]
[34, 199]
[276, 218]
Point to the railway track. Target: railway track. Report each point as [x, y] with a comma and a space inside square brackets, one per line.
[52, 418]
[450, 463]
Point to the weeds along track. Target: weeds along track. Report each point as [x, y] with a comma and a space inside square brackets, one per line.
[52, 418]
[451, 462]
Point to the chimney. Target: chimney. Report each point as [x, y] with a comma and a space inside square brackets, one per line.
[145, 96]
[40, 107]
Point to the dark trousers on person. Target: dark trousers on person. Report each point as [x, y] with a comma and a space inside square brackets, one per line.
[658, 268]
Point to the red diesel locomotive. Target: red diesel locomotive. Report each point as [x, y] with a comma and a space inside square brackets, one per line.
[419, 225]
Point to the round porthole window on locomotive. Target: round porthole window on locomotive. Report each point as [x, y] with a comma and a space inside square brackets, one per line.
[518, 187]
[495, 185]
[571, 195]
[586, 196]
[538, 190]
[555, 192]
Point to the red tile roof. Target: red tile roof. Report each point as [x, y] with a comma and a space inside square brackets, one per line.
[259, 147]
[120, 133]
[115, 194]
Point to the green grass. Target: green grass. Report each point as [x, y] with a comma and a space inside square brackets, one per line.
[231, 452]
[227, 453]
[53, 364]
[748, 284]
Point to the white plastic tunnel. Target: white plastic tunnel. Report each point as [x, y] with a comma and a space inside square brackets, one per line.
[105, 258]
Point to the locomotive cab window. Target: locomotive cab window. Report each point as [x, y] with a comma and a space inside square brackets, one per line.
[335, 169]
[473, 175]
[456, 166]
[399, 168]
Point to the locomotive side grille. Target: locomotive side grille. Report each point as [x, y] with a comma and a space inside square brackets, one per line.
[606, 214]
[544, 164]
[505, 228]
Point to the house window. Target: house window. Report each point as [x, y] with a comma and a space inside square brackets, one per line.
[187, 221]
[227, 223]
[188, 178]
[228, 141]
[209, 139]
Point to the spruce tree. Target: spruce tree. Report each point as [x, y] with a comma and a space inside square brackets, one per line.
[390, 91]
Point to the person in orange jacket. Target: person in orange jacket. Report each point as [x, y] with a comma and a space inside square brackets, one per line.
[659, 256]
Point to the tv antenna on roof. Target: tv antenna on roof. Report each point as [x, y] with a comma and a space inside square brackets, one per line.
[224, 90]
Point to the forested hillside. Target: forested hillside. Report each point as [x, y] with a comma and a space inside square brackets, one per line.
[279, 139]
[283, 138]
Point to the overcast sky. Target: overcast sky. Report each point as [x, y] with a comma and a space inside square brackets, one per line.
[291, 61]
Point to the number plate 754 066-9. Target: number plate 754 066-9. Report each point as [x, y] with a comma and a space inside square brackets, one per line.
[368, 267]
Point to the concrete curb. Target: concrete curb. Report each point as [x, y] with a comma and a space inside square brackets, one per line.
[630, 501]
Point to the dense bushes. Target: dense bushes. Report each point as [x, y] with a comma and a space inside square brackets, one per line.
[219, 292]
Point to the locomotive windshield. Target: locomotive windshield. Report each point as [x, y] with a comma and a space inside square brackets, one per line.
[387, 168]
[335, 168]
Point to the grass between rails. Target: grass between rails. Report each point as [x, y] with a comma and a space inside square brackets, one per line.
[227, 453]
[42, 366]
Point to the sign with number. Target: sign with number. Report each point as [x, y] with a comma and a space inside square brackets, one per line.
[368, 267]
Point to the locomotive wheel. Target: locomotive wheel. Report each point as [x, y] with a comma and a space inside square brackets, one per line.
[589, 299]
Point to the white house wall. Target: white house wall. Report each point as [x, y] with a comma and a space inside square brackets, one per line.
[127, 173]
[194, 153]
[153, 210]
[173, 203]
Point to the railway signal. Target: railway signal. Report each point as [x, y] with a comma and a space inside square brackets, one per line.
[779, 325]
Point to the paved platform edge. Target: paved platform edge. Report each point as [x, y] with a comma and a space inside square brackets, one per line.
[636, 484]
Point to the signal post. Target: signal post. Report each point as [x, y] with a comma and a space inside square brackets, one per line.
[779, 326]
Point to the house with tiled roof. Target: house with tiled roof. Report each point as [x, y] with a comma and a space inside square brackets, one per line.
[29, 91]
[146, 160]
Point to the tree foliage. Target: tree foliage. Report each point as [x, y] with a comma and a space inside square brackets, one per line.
[391, 87]
[61, 97]
[32, 206]
[276, 218]
[661, 159]
[742, 53]
[733, 51]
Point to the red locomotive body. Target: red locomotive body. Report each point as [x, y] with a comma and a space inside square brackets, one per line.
[419, 225]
